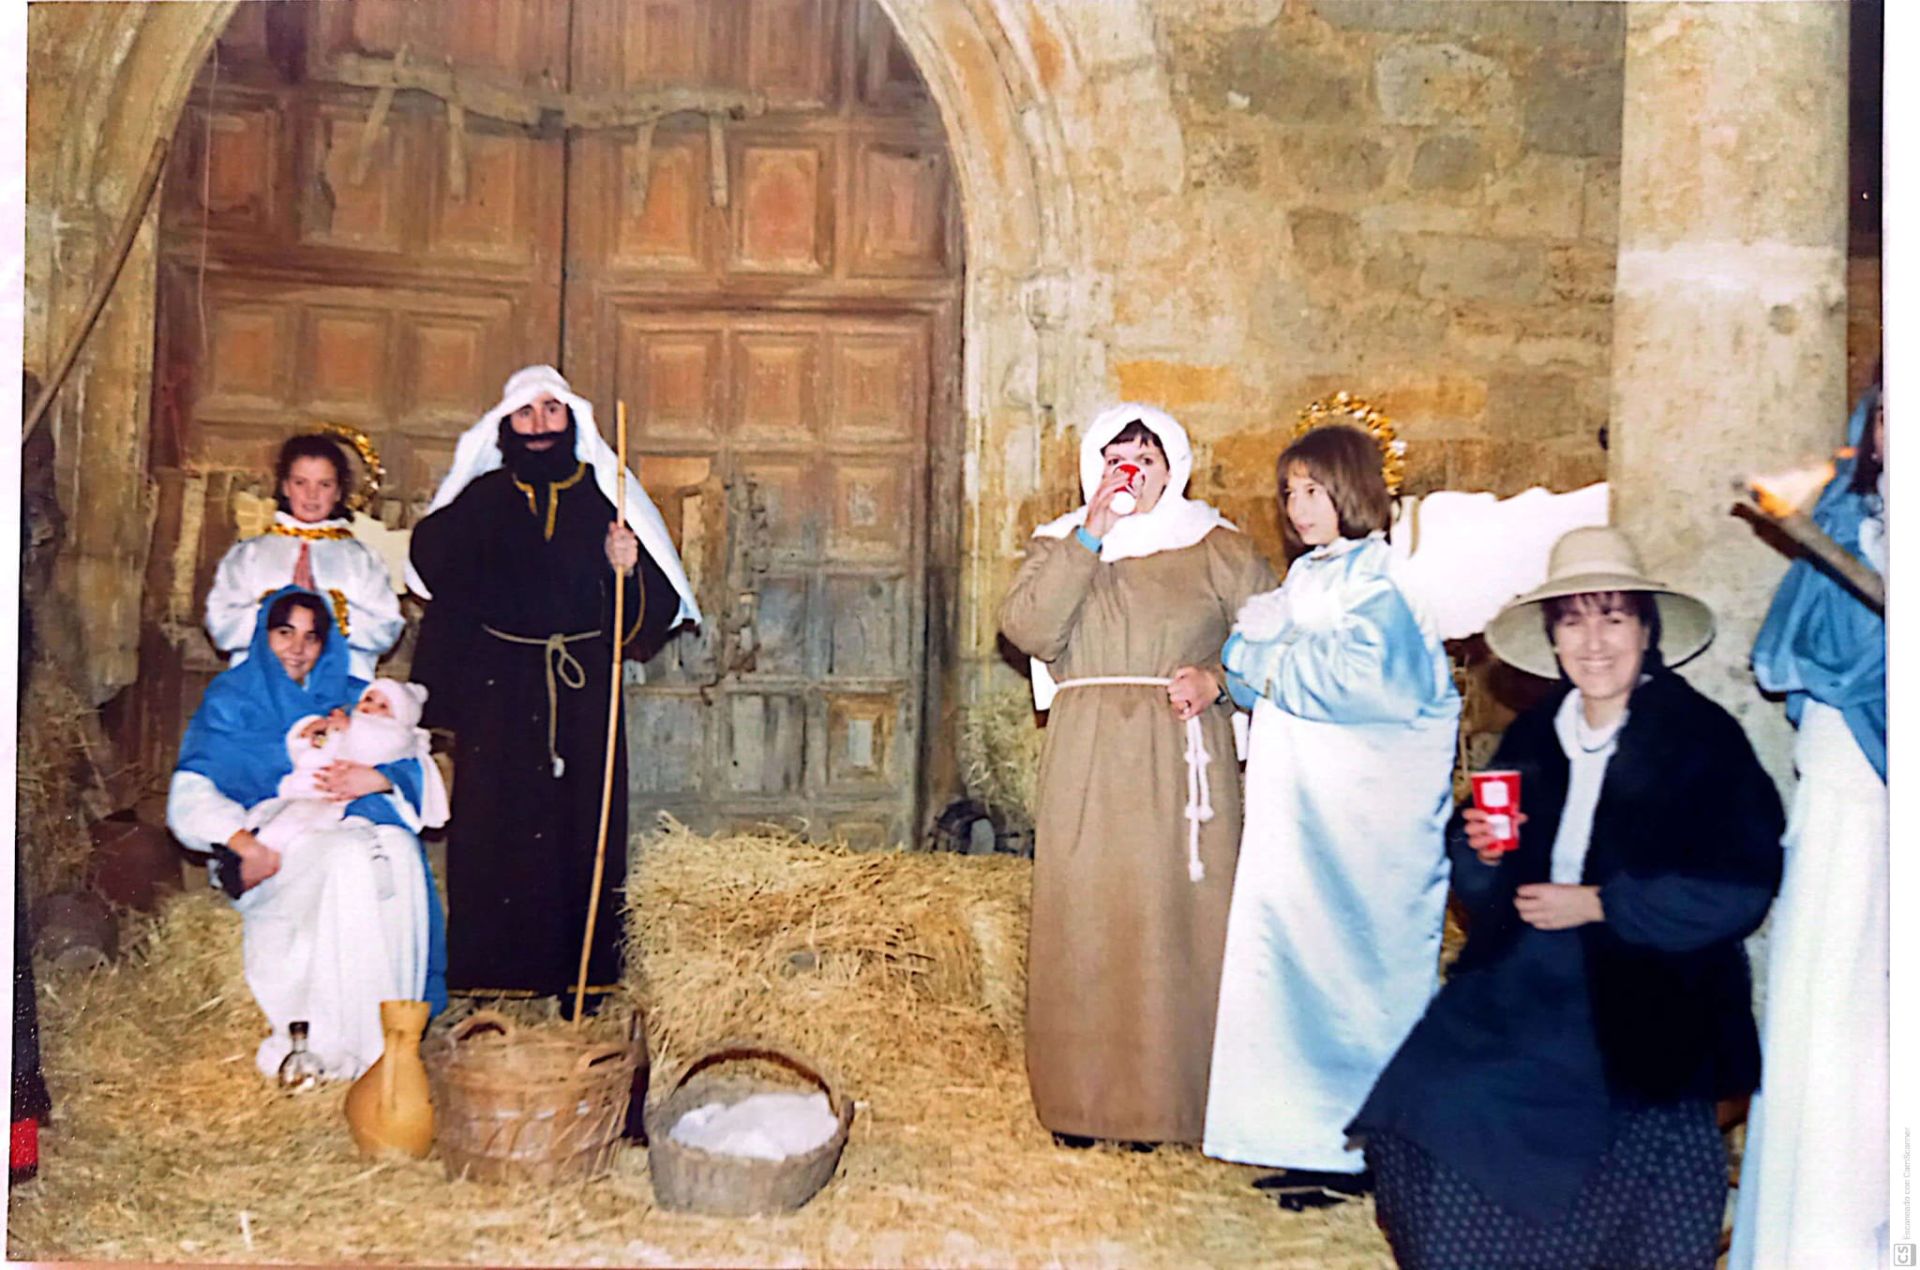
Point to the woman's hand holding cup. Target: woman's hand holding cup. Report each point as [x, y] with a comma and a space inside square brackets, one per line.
[1102, 515]
[1490, 847]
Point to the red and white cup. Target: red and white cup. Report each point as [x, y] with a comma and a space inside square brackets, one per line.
[1497, 793]
[1124, 502]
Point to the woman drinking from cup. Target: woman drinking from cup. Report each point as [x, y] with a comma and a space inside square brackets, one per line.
[1139, 807]
[309, 545]
[1555, 1106]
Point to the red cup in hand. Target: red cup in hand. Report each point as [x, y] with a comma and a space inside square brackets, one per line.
[1497, 793]
[1124, 502]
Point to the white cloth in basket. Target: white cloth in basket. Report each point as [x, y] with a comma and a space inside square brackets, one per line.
[768, 1126]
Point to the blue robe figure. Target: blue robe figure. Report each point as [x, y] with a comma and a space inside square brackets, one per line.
[1813, 1185]
[1333, 940]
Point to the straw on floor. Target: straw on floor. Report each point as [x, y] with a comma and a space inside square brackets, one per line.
[903, 972]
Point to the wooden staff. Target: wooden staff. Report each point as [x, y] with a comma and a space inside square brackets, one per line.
[102, 288]
[613, 719]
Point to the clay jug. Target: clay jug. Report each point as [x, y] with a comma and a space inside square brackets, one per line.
[389, 1108]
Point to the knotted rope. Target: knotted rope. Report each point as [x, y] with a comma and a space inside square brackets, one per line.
[562, 668]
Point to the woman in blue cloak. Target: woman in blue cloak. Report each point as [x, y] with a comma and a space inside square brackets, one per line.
[1813, 1185]
[341, 919]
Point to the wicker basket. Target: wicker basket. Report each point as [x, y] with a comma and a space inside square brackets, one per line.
[688, 1179]
[517, 1105]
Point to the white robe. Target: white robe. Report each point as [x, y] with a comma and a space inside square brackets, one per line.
[1333, 939]
[1813, 1185]
[346, 570]
[340, 928]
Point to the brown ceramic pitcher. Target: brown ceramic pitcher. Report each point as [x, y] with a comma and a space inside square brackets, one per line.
[389, 1108]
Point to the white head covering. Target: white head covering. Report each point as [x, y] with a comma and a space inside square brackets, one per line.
[479, 453]
[374, 740]
[1174, 522]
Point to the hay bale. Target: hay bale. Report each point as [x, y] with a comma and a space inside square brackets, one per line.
[902, 972]
[1000, 744]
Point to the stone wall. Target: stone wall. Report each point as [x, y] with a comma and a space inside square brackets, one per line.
[1273, 201]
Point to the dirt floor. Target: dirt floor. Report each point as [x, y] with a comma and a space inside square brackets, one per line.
[899, 974]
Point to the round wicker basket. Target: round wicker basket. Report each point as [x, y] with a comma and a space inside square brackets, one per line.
[518, 1105]
[688, 1179]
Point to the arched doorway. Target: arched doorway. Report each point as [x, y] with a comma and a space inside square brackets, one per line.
[770, 279]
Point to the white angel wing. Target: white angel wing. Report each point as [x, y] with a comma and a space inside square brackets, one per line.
[1460, 557]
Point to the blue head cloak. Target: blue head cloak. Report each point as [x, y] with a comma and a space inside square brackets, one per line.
[238, 736]
[1822, 641]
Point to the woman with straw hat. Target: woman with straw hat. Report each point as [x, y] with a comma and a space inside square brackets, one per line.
[1555, 1105]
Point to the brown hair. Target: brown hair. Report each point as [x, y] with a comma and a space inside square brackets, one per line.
[1138, 431]
[311, 445]
[1640, 604]
[1346, 463]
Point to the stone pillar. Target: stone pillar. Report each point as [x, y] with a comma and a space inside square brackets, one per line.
[1730, 319]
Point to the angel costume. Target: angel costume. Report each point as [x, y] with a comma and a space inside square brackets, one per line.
[516, 648]
[322, 939]
[350, 575]
[1124, 954]
[1334, 941]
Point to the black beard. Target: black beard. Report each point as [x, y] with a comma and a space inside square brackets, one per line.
[538, 467]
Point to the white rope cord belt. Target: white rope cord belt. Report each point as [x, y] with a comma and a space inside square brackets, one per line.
[1199, 798]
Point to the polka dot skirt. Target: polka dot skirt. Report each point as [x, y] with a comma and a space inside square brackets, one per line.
[1654, 1203]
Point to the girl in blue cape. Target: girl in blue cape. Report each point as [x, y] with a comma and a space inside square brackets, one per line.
[1333, 941]
[1813, 1185]
[329, 932]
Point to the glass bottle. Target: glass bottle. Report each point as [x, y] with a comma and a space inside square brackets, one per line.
[300, 1070]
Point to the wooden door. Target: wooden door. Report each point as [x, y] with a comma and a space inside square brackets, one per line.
[782, 325]
[784, 338]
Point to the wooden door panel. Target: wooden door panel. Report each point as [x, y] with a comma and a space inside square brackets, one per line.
[790, 48]
[902, 205]
[783, 222]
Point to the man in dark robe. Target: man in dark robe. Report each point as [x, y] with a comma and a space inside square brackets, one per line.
[516, 648]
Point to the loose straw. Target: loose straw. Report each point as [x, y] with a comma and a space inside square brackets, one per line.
[613, 720]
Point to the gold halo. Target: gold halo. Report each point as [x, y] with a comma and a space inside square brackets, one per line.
[1358, 412]
[361, 498]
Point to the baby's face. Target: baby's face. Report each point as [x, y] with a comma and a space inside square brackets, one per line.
[374, 703]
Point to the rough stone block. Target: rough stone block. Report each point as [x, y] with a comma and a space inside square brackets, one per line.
[1600, 205]
[1572, 109]
[1583, 24]
[1441, 84]
[1322, 240]
[1533, 407]
[1581, 275]
[1449, 163]
[1479, 268]
[1417, 216]
[1332, 162]
[1277, 77]
[1217, 160]
[1391, 267]
[1542, 335]
[1173, 385]
[1540, 196]
[1436, 408]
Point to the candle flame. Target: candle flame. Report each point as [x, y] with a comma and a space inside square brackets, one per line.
[1781, 494]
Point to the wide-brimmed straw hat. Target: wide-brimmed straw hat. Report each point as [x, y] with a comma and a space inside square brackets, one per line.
[1596, 558]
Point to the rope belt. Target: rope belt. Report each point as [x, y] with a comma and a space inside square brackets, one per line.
[1199, 798]
[562, 668]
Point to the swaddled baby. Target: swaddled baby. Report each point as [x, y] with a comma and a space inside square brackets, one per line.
[382, 729]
